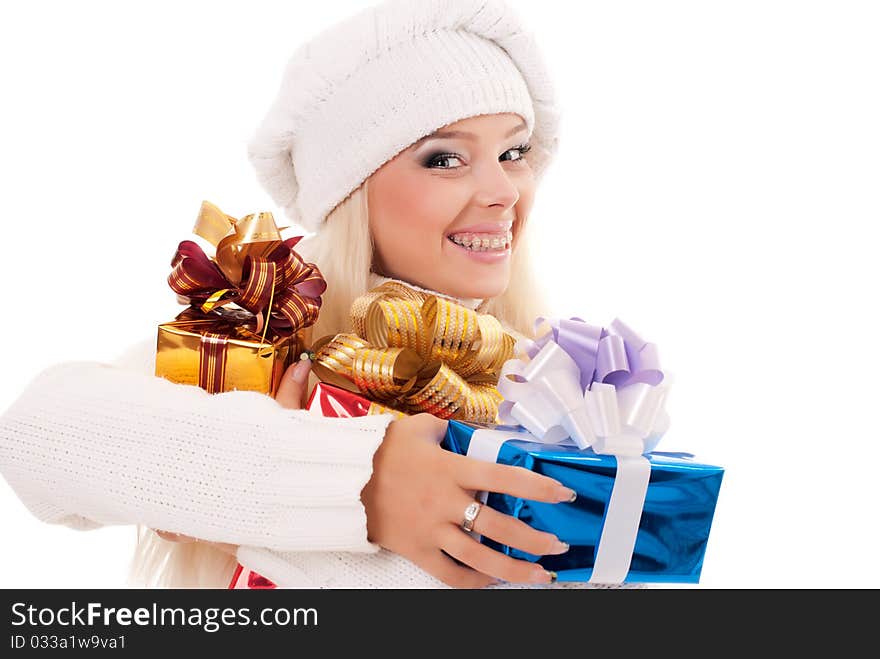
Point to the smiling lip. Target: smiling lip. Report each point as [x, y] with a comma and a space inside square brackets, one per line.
[486, 227]
[495, 256]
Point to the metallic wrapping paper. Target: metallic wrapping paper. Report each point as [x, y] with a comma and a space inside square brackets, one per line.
[416, 352]
[331, 401]
[248, 363]
[249, 305]
[675, 522]
[244, 579]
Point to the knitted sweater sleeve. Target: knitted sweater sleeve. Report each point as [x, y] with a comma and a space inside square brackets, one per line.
[88, 444]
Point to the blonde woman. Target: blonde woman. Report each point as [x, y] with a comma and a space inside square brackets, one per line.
[409, 141]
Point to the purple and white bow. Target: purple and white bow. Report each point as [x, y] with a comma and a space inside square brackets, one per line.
[601, 387]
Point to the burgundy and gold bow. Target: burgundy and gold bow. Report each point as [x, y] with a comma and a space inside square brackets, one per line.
[253, 267]
[417, 352]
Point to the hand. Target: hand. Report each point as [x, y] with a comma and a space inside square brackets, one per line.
[292, 393]
[416, 497]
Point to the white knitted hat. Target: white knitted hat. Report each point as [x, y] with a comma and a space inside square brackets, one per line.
[365, 89]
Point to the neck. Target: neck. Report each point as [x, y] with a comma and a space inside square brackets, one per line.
[470, 303]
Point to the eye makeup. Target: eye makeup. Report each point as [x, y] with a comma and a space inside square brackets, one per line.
[431, 159]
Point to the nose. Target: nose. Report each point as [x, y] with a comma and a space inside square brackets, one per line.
[495, 187]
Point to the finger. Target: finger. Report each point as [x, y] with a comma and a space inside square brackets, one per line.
[513, 532]
[441, 567]
[473, 474]
[294, 384]
[462, 546]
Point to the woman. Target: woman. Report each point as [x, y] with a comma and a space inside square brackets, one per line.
[358, 148]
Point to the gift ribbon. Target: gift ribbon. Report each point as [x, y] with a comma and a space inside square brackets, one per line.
[622, 514]
[417, 352]
[254, 269]
[547, 394]
[215, 330]
[600, 388]
[212, 361]
[613, 354]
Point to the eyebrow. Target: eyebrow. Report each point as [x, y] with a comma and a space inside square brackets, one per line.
[462, 133]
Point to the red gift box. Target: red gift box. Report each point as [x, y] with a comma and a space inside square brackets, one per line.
[329, 400]
[244, 578]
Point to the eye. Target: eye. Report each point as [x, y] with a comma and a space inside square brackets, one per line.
[435, 160]
[522, 150]
[438, 160]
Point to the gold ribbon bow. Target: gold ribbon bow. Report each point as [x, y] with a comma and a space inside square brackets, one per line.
[417, 352]
[253, 267]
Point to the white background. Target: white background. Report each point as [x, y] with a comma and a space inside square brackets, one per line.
[716, 188]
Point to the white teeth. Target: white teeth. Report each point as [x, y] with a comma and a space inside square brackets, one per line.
[491, 242]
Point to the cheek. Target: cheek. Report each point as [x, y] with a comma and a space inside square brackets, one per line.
[410, 208]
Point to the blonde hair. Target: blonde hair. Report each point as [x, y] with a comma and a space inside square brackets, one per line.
[343, 251]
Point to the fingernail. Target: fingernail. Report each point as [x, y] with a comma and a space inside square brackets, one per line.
[538, 576]
[560, 547]
[301, 371]
[543, 576]
[567, 494]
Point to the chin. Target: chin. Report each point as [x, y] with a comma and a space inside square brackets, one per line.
[483, 290]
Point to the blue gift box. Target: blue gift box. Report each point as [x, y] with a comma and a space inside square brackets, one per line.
[676, 516]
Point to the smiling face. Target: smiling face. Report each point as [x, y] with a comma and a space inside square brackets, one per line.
[445, 211]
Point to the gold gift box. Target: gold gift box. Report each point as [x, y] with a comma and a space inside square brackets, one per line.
[250, 305]
[222, 354]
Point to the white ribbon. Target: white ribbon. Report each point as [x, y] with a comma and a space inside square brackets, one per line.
[485, 445]
[544, 397]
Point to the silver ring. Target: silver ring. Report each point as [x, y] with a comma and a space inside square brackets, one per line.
[470, 514]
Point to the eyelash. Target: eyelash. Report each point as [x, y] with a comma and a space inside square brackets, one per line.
[430, 162]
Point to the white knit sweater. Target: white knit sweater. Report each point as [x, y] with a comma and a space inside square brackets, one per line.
[89, 444]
